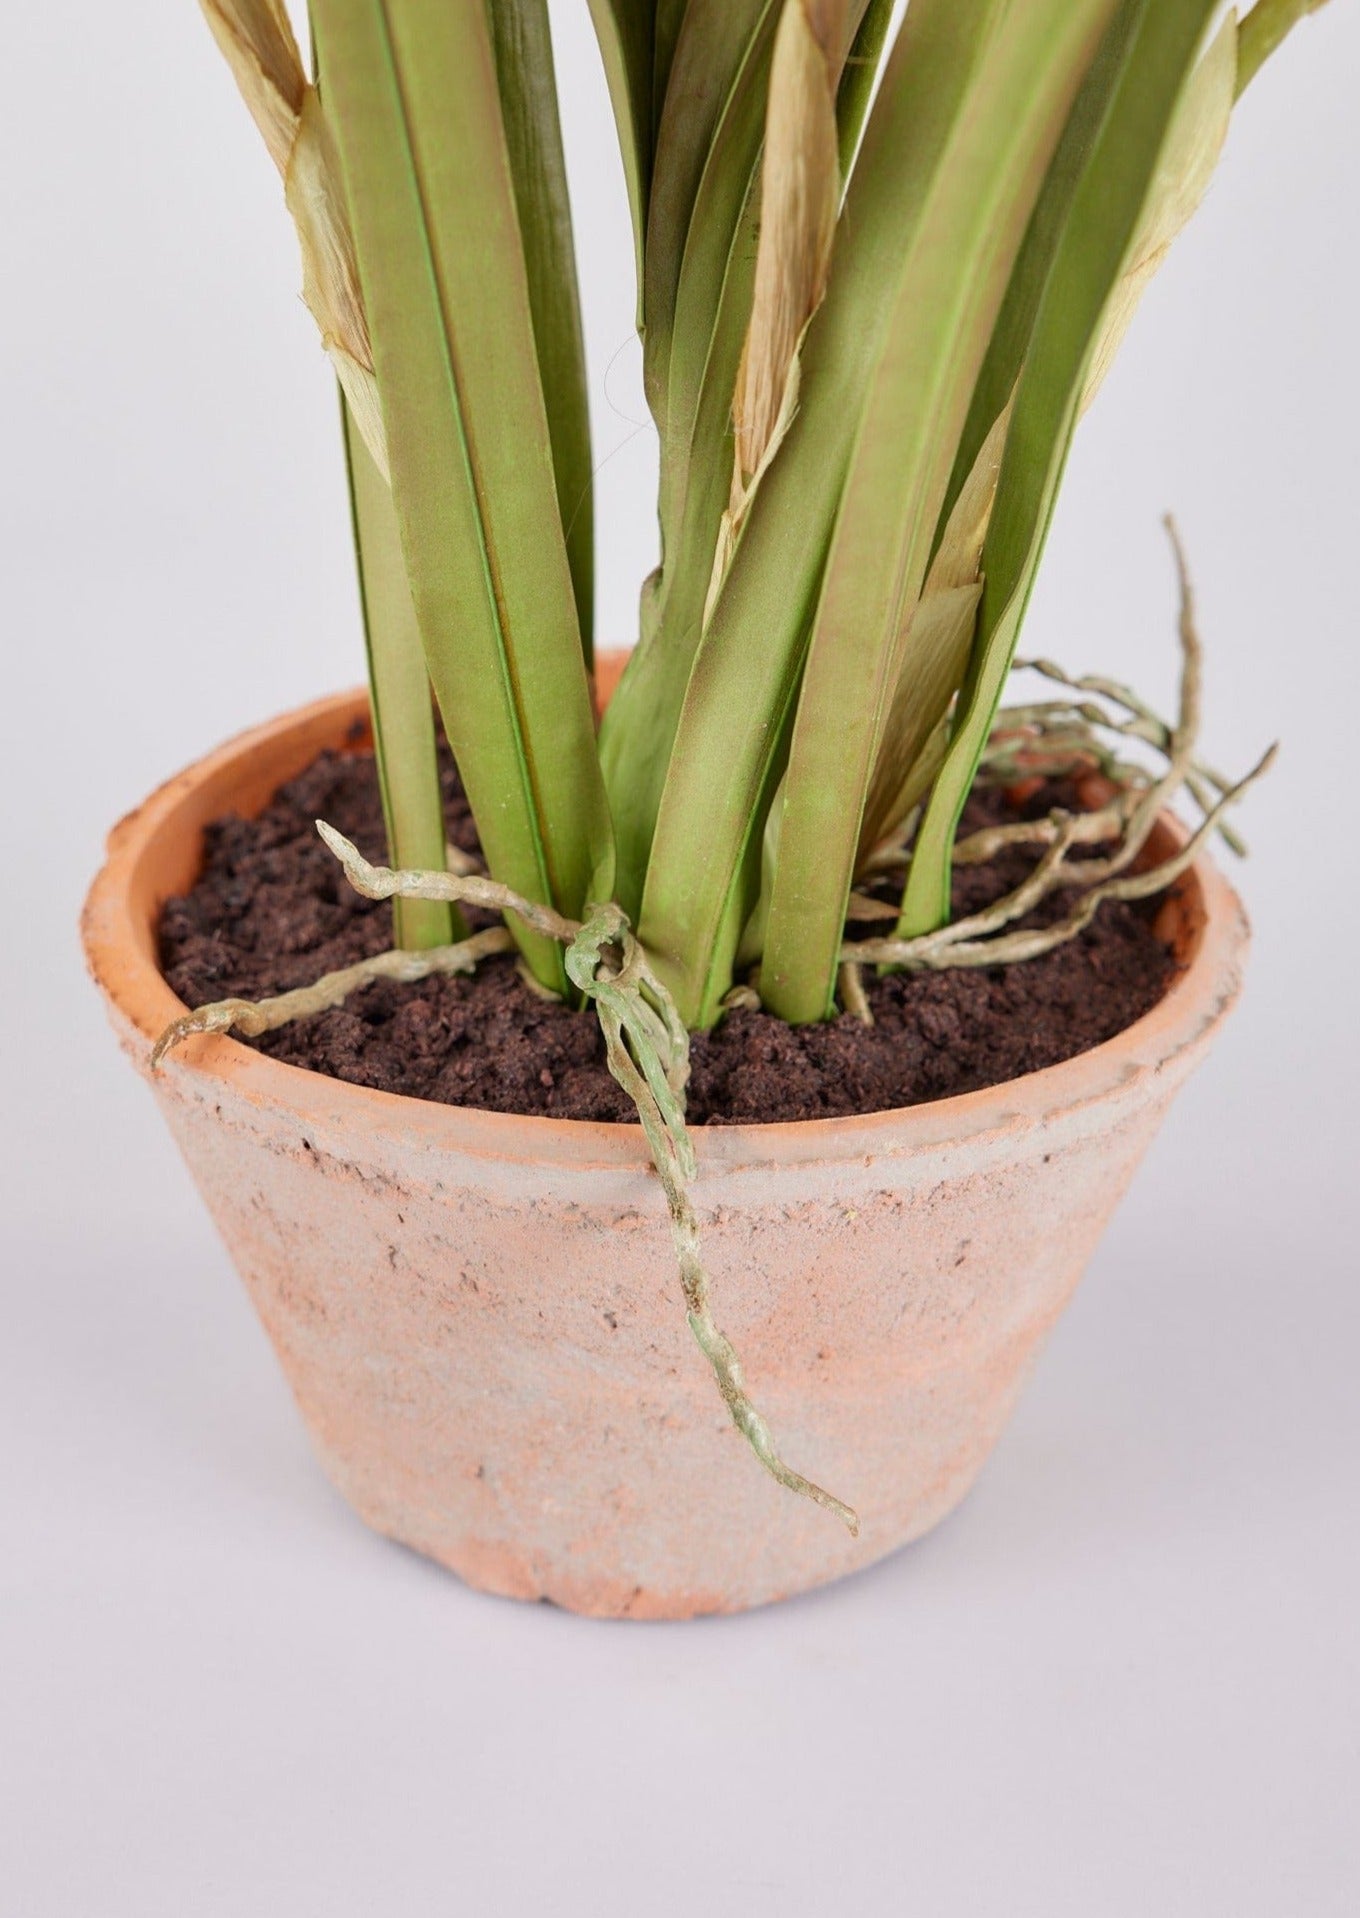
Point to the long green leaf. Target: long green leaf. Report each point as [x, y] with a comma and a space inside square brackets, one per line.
[668, 19]
[708, 138]
[1098, 225]
[437, 234]
[961, 72]
[701, 231]
[1015, 323]
[708, 327]
[1262, 31]
[953, 281]
[861, 71]
[626, 31]
[399, 695]
[713, 310]
[703, 873]
[1190, 152]
[638, 730]
[533, 135]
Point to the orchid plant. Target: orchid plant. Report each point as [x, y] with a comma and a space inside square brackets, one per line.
[879, 278]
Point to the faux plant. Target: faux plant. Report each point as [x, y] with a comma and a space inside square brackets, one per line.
[877, 286]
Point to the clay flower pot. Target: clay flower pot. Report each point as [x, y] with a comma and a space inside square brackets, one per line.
[479, 1315]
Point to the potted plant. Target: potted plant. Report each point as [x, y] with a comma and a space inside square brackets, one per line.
[795, 840]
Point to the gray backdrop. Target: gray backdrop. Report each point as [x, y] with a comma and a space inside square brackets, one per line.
[1122, 1680]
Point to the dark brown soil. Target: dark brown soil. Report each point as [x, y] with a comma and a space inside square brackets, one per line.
[272, 911]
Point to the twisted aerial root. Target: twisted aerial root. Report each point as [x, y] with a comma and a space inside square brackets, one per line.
[1060, 737]
[251, 1017]
[850, 982]
[1083, 829]
[1065, 738]
[928, 953]
[647, 1047]
[456, 888]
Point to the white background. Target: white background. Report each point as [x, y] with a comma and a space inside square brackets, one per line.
[1122, 1680]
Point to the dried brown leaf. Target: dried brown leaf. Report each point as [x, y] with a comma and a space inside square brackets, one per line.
[259, 46]
[940, 638]
[330, 273]
[800, 190]
[800, 196]
[933, 652]
[256, 39]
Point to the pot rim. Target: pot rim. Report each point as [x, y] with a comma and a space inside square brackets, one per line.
[147, 852]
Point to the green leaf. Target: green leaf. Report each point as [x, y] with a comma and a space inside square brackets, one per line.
[731, 734]
[714, 301]
[861, 71]
[702, 233]
[399, 694]
[1112, 171]
[973, 217]
[626, 30]
[638, 730]
[707, 143]
[533, 136]
[1185, 166]
[968, 80]
[1262, 31]
[1010, 340]
[668, 18]
[709, 324]
[441, 263]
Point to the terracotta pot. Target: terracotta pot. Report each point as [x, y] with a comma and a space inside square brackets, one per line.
[479, 1314]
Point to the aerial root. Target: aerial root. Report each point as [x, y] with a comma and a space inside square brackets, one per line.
[1071, 739]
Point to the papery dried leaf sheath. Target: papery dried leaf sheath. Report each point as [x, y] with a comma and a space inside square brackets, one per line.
[800, 190]
[936, 643]
[257, 40]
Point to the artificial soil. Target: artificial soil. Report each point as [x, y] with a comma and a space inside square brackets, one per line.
[271, 910]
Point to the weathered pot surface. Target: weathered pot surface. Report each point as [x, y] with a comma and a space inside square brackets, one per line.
[479, 1314]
